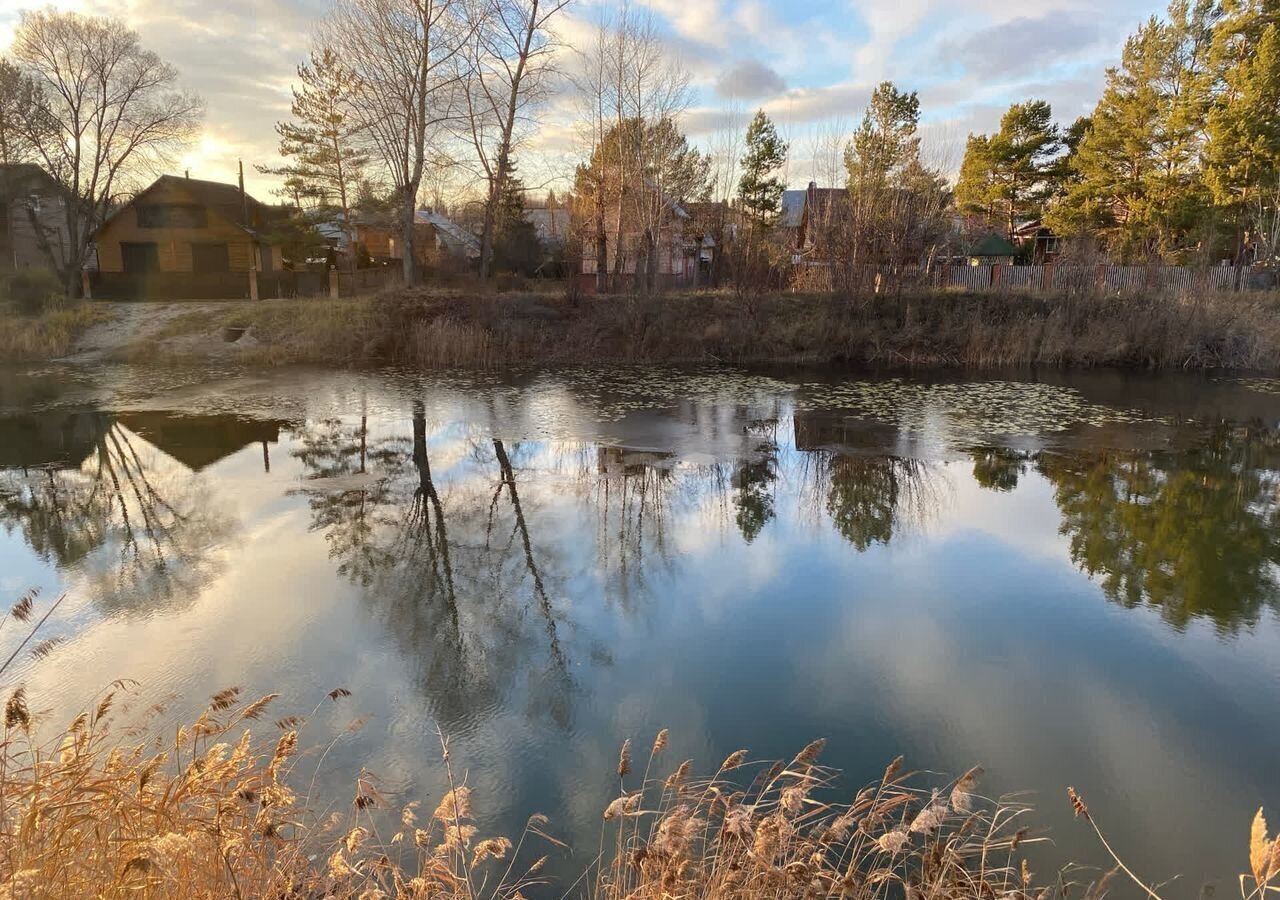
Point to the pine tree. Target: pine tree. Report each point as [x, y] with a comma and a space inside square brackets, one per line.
[1243, 151]
[322, 141]
[1134, 178]
[1014, 170]
[760, 189]
[976, 192]
[886, 143]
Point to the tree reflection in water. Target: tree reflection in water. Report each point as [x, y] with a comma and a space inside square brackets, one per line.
[141, 529]
[1194, 533]
[424, 554]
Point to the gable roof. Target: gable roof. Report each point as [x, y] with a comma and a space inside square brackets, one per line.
[207, 193]
[24, 178]
[993, 245]
[455, 238]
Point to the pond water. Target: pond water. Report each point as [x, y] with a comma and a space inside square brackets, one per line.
[1070, 579]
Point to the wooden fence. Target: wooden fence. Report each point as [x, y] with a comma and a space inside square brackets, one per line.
[1058, 278]
[280, 285]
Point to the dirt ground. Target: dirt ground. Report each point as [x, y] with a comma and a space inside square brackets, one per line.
[130, 325]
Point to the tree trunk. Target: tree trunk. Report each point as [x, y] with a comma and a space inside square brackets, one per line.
[602, 252]
[651, 262]
[490, 220]
[409, 261]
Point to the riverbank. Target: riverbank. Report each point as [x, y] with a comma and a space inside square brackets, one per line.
[433, 329]
[53, 334]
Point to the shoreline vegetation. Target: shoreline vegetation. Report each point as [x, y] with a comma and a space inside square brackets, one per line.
[434, 329]
[212, 812]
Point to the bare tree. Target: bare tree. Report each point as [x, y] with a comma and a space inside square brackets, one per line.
[111, 112]
[510, 53]
[591, 183]
[407, 60]
[640, 166]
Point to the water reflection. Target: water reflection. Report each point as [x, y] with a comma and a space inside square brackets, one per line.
[1194, 534]
[88, 492]
[454, 567]
[742, 570]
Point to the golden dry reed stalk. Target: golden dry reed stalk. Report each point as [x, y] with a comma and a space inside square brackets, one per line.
[213, 813]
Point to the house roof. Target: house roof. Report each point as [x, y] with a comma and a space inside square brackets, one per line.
[23, 177]
[200, 441]
[550, 224]
[209, 193]
[455, 238]
[993, 245]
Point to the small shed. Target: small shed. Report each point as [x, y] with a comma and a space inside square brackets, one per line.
[991, 249]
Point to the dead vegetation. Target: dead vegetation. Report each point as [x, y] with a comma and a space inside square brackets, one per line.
[433, 329]
[44, 335]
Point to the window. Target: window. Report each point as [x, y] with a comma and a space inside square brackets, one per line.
[140, 258]
[210, 258]
[172, 215]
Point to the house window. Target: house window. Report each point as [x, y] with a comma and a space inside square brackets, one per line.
[172, 215]
[206, 258]
[140, 258]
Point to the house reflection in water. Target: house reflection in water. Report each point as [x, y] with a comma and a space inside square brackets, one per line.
[200, 441]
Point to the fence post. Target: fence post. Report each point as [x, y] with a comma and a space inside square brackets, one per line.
[1102, 277]
[1048, 278]
[86, 287]
[995, 275]
[253, 283]
[333, 283]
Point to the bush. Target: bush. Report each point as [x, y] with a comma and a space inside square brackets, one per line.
[34, 290]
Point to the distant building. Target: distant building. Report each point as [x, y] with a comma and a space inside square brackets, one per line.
[551, 225]
[990, 249]
[673, 258]
[33, 219]
[188, 226]
[436, 239]
[1037, 240]
[448, 236]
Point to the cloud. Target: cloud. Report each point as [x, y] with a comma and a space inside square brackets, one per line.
[749, 79]
[1025, 44]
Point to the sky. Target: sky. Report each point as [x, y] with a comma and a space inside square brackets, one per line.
[810, 64]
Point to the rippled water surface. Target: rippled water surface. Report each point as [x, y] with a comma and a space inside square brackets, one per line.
[1070, 580]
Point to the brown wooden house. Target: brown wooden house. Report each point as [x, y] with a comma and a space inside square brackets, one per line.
[185, 238]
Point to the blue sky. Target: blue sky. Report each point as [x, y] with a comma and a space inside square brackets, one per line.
[810, 64]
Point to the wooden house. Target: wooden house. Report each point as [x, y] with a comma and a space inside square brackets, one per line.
[33, 219]
[188, 235]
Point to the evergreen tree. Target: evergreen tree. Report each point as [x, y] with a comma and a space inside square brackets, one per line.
[886, 143]
[759, 189]
[322, 142]
[975, 187]
[1243, 151]
[1014, 170]
[516, 247]
[1134, 179]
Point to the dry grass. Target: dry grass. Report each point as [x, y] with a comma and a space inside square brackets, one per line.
[48, 335]
[441, 329]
